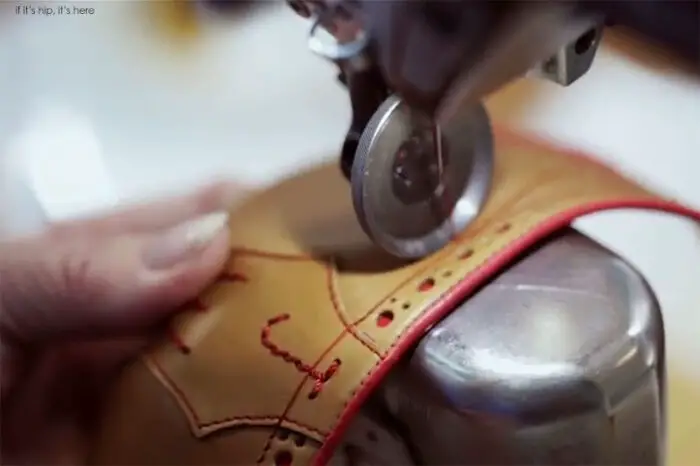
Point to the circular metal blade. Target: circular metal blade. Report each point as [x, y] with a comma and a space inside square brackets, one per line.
[408, 202]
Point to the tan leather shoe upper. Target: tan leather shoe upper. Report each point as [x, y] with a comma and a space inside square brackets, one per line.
[308, 317]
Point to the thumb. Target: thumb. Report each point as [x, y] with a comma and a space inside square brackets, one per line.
[99, 284]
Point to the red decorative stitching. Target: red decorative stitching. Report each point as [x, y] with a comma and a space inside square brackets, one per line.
[198, 305]
[178, 342]
[292, 400]
[320, 378]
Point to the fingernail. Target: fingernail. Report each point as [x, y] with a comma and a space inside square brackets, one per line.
[235, 194]
[185, 241]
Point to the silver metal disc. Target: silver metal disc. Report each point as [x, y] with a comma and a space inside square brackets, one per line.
[409, 204]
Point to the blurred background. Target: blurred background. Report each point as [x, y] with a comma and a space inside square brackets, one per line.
[133, 99]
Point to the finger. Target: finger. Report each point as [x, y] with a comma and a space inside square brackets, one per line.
[106, 285]
[157, 214]
[61, 396]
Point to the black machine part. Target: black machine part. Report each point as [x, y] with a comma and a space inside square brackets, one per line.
[673, 24]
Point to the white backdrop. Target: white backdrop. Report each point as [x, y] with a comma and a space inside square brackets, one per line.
[99, 109]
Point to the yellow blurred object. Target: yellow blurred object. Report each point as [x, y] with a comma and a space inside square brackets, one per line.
[683, 420]
[175, 20]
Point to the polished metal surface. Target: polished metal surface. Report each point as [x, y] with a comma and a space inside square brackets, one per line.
[558, 361]
[408, 200]
[572, 61]
[336, 34]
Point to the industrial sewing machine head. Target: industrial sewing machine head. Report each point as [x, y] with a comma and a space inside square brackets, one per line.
[419, 151]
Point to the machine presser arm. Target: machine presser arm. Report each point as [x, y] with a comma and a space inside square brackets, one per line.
[440, 54]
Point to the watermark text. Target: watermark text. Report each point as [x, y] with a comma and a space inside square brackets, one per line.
[53, 9]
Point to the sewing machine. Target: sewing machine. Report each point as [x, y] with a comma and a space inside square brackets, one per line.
[558, 358]
[411, 69]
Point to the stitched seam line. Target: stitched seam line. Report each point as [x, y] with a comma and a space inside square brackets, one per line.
[338, 308]
[320, 378]
[234, 420]
[268, 444]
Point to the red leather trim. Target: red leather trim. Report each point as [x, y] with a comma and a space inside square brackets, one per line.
[462, 290]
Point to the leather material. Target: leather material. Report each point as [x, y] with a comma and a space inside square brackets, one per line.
[270, 364]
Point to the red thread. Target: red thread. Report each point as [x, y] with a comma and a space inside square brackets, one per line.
[199, 305]
[294, 397]
[320, 378]
[179, 342]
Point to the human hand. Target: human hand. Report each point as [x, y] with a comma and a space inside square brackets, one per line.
[80, 299]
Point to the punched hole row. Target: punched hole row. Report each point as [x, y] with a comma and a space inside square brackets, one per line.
[386, 317]
[284, 434]
[286, 457]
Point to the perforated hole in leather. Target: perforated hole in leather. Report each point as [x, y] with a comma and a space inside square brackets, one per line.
[466, 254]
[385, 318]
[300, 441]
[284, 458]
[427, 284]
[504, 228]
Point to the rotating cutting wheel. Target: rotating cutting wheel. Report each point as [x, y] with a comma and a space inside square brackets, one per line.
[410, 201]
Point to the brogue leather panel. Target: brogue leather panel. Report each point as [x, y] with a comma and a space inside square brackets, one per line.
[271, 362]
